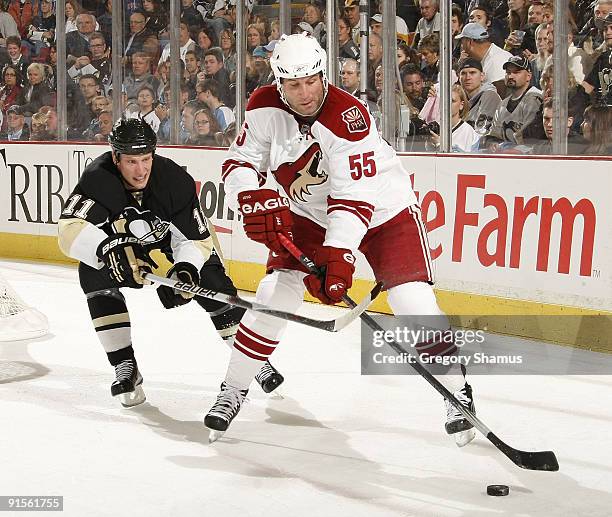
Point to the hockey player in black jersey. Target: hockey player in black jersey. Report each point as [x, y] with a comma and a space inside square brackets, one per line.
[128, 202]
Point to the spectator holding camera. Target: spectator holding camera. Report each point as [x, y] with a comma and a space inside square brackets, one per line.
[464, 138]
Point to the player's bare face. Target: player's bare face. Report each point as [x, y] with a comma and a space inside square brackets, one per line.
[304, 95]
[135, 169]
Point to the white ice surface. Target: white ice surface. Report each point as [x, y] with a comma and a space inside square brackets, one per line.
[338, 444]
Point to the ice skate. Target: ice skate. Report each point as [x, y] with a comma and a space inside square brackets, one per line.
[224, 410]
[127, 387]
[269, 378]
[456, 423]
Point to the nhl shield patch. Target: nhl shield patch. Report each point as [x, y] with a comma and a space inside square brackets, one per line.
[354, 120]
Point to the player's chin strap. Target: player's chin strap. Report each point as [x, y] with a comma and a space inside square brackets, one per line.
[541, 460]
[328, 325]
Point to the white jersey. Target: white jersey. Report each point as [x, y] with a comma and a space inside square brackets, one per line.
[336, 170]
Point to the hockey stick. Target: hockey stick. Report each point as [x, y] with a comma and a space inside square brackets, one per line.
[328, 325]
[540, 460]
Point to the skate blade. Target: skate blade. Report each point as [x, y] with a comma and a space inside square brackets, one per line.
[132, 398]
[277, 394]
[213, 435]
[462, 438]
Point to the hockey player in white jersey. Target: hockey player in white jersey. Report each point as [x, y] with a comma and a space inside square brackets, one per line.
[339, 188]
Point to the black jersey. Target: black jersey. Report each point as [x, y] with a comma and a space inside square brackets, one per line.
[166, 215]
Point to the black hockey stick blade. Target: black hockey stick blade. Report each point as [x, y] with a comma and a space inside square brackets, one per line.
[539, 460]
[333, 325]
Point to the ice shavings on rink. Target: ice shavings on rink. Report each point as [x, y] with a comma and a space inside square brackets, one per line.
[338, 444]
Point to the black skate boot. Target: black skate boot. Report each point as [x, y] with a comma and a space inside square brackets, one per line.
[269, 378]
[456, 423]
[224, 410]
[128, 384]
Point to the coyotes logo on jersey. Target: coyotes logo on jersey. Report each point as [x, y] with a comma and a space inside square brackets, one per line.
[354, 120]
[296, 177]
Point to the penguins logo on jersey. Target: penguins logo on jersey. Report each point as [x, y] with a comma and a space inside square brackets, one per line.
[144, 225]
[297, 177]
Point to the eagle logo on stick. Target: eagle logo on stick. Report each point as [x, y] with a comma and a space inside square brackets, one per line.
[297, 177]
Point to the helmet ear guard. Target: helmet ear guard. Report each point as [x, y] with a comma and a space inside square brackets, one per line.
[132, 136]
[297, 56]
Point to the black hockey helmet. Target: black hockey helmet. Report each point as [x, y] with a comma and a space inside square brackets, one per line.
[132, 136]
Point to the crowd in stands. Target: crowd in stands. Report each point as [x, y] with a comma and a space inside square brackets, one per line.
[501, 54]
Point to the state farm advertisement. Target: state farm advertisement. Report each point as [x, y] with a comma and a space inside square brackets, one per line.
[525, 229]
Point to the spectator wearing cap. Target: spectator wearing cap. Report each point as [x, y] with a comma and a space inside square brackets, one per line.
[475, 43]
[401, 29]
[313, 16]
[209, 94]
[348, 48]
[351, 12]
[429, 22]
[480, 13]
[520, 107]
[261, 64]
[599, 81]
[215, 69]
[16, 128]
[483, 99]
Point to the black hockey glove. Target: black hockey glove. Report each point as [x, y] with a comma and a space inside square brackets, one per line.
[185, 272]
[124, 257]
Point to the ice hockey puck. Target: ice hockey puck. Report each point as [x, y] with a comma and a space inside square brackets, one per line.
[498, 490]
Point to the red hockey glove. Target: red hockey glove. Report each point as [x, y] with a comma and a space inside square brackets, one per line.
[265, 215]
[339, 266]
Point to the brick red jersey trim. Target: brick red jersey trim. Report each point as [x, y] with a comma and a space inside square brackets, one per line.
[335, 115]
[230, 165]
[362, 210]
[266, 97]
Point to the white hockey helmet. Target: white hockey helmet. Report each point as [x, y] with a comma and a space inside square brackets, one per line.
[296, 56]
